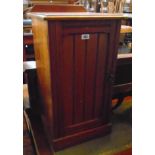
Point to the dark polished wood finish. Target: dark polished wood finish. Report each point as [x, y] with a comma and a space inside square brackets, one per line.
[75, 75]
[57, 8]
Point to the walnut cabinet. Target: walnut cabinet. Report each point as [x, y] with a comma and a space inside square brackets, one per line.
[75, 56]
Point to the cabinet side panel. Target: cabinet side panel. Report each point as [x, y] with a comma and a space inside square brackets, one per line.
[40, 33]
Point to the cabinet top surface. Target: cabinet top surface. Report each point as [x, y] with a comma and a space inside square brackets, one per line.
[78, 16]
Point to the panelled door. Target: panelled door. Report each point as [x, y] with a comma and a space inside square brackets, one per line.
[85, 59]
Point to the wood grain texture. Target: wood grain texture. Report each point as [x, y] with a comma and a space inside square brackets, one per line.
[76, 16]
[79, 137]
[57, 8]
[79, 57]
[40, 32]
[74, 77]
[28, 40]
[82, 56]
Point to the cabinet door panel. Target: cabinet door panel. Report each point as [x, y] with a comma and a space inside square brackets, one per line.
[79, 70]
[100, 73]
[67, 82]
[83, 79]
[90, 77]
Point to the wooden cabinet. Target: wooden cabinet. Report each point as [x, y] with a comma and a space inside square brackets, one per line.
[76, 58]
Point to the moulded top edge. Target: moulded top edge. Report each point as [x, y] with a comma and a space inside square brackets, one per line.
[78, 15]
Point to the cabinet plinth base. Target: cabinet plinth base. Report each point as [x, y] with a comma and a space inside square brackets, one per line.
[64, 142]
